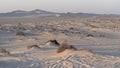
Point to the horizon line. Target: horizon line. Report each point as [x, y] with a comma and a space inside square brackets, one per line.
[60, 12]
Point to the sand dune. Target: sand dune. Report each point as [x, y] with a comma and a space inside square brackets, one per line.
[34, 46]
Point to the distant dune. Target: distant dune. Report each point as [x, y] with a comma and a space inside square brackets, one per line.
[21, 13]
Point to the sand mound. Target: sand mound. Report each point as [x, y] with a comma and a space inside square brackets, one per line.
[81, 59]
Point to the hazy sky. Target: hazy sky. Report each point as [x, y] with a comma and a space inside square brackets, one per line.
[88, 6]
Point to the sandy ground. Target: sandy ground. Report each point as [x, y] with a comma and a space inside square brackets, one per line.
[101, 35]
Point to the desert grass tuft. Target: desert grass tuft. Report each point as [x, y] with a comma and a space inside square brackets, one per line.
[65, 46]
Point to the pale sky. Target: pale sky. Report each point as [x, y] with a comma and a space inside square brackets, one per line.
[86, 6]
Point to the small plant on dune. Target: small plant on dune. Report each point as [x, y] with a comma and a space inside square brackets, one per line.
[90, 35]
[32, 46]
[4, 52]
[53, 41]
[20, 33]
[65, 46]
[71, 47]
[62, 47]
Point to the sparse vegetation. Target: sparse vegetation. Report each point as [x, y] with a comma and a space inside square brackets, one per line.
[65, 46]
[32, 46]
[20, 33]
[89, 35]
[27, 49]
[4, 52]
[53, 41]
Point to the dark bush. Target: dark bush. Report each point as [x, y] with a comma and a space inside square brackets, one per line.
[65, 46]
[90, 35]
[4, 52]
[32, 46]
[53, 41]
[20, 33]
[71, 47]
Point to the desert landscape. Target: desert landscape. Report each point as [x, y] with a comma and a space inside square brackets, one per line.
[54, 40]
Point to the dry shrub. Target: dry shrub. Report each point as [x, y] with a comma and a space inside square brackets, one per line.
[71, 47]
[53, 41]
[90, 35]
[65, 46]
[4, 52]
[32, 46]
[20, 33]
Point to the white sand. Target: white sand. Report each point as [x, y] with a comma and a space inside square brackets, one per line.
[100, 35]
